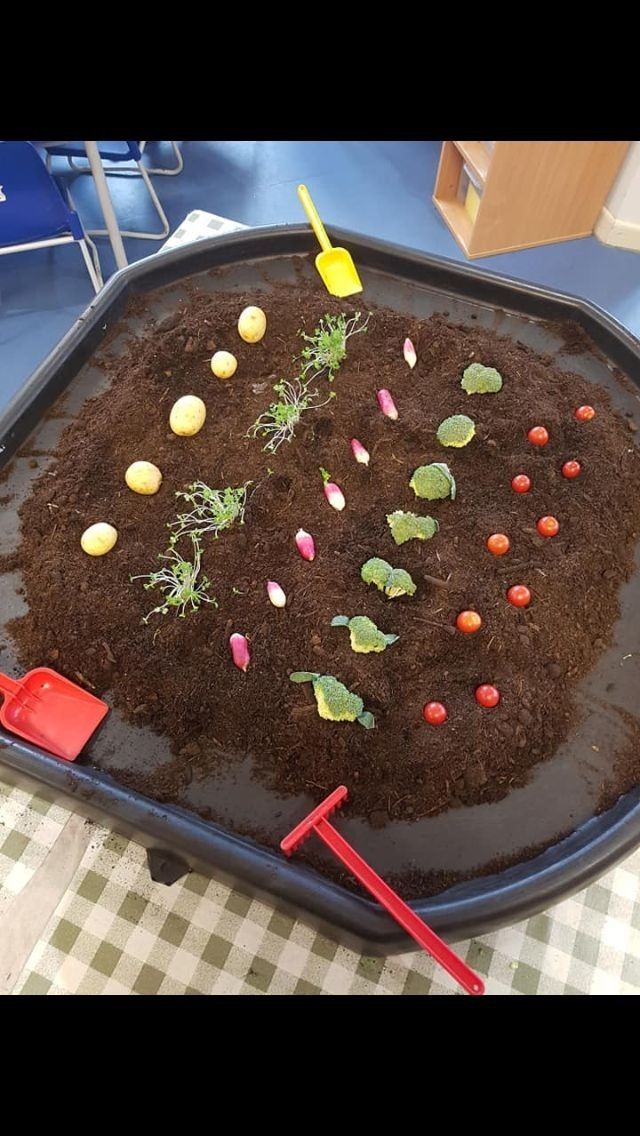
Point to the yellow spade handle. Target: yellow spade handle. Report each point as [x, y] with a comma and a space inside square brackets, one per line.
[314, 218]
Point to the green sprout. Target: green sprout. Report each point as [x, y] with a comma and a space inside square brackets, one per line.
[327, 347]
[478, 379]
[214, 510]
[365, 636]
[278, 423]
[456, 431]
[433, 482]
[334, 701]
[392, 581]
[179, 582]
[408, 526]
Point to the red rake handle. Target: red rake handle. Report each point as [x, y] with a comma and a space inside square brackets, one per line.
[401, 912]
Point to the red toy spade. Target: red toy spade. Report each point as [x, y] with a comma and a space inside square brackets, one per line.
[50, 711]
[317, 822]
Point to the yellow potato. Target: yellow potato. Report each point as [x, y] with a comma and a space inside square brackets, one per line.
[143, 477]
[98, 539]
[252, 325]
[224, 364]
[187, 416]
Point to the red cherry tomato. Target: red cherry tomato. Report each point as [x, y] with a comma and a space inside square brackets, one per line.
[498, 544]
[571, 469]
[519, 595]
[468, 622]
[521, 483]
[548, 526]
[435, 713]
[585, 413]
[538, 435]
[488, 696]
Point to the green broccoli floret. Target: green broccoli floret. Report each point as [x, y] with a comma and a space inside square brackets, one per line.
[456, 431]
[392, 581]
[365, 636]
[433, 482]
[376, 571]
[408, 526]
[334, 701]
[478, 379]
[399, 583]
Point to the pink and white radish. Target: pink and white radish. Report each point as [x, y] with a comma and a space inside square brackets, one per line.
[360, 454]
[332, 492]
[409, 353]
[387, 405]
[305, 544]
[276, 594]
[240, 653]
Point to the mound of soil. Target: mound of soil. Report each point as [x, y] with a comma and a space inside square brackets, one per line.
[176, 675]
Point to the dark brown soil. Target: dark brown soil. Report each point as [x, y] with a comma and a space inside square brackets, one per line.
[176, 675]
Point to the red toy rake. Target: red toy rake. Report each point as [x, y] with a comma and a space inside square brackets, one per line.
[317, 822]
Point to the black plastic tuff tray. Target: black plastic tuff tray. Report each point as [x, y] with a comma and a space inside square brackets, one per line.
[560, 797]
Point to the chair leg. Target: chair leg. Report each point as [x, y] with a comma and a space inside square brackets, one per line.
[173, 170]
[96, 277]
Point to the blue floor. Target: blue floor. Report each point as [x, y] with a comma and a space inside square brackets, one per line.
[379, 188]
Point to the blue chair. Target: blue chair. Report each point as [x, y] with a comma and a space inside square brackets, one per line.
[33, 212]
[118, 153]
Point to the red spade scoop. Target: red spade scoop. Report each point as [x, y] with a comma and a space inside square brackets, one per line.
[317, 821]
[50, 711]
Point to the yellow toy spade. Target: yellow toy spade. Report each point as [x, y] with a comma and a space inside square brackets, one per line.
[335, 265]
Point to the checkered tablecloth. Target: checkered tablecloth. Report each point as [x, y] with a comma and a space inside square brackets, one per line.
[112, 930]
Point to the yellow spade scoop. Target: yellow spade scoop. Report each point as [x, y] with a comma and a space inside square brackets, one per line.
[335, 265]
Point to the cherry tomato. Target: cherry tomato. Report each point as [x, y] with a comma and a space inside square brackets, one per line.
[571, 469]
[538, 435]
[521, 483]
[519, 595]
[585, 413]
[548, 526]
[488, 696]
[468, 622]
[498, 544]
[435, 713]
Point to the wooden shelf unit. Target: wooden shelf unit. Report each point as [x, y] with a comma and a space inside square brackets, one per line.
[523, 193]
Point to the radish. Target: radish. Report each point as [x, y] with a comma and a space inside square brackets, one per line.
[240, 653]
[306, 545]
[409, 353]
[276, 594]
[360, 454]
[387, 405]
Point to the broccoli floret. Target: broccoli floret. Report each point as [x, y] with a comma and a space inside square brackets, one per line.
[399, 583]
[335, 703]
[365, 636]
[456, 431]
[408, 526]
[392, 581]
[376, 571]
[433, 482]
[478, 379]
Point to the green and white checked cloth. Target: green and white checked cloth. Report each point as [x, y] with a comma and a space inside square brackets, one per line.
[111, 930]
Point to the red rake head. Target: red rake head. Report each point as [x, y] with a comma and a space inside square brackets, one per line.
[322, 812]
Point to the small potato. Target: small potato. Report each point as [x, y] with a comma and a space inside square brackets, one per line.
[143, 477]
[224, 364]
[98, 539]
[187, 416]
[252, 325]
